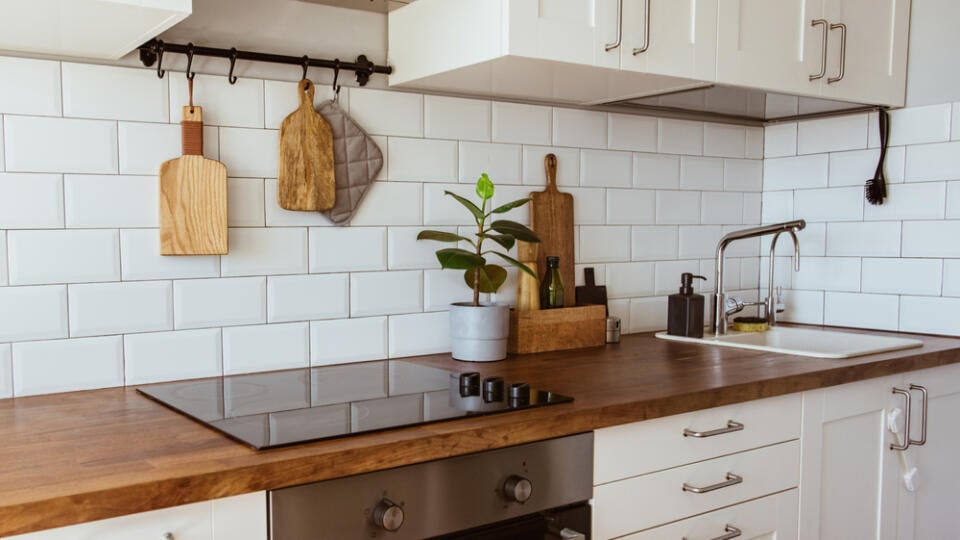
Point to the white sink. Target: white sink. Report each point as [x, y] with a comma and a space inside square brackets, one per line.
[804, 342]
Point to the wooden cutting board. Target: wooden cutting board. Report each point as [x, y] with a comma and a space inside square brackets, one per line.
[551, 217]
[193, 196]
[590, 293]
[305, 179]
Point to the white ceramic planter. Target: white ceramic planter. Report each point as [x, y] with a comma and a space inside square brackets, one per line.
[479, 333]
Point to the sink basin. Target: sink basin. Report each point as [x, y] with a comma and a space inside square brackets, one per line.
[804, 342]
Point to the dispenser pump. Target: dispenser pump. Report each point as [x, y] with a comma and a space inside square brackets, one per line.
[686, 282]
[685, 309]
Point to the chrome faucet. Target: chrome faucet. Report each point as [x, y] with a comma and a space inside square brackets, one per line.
[770, 302]
[719, 322]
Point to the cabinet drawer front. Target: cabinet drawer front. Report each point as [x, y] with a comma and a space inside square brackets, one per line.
[653, 445]
[187, 522]
[646, 501]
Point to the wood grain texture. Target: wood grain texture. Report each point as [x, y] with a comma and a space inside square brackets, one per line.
[557, 329]
[551, 217]
[305, 179]
[193, 200]
[81, 456]
[528, 287]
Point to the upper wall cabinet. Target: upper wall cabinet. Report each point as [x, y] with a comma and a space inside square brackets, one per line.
[103, 29]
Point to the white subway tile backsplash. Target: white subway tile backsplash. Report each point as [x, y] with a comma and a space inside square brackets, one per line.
[930, 239]
[918, 125]
[754, 148]
[805, 307]
[780, 140]
[94, 201]
[701, 173]
[255, 252]
[750, 273]
[568, 165]
[387, 113]
[170, 356]
[282, 98]
[719, 208]
[924, 162]
[629, 132]
[681, 137]
[525, 124]
[422, 160]
[749, 247]
[245, 202]
[910, 201]
[6, 371]
[832, 134]
[456, 118]
[853, 168]
[442, 209]
[115, 308]
[37, 257]
[879, 311]
[419, 333]
[721, 140]
[348, 249]
[699, 241]
[777, 206]
[678, 207]
[627, 280]
[752, 208]
[507, 193]
[201, 303]
[502, 162]
[874, 239]
[405, 252]
[308, 297]
[348, 340]
[953, 200]
[834, 204]
[589, 205]
[3, 258]
[580, 128]
[265, 348]
[902, 276]
[444, 287]
[385, 293]
[951, 277]
[927, 315]
[46, 367]
[629, 207]
[34, 144]
[40, 96]
[249, 153]
[654, 243]
[667, 276]
[28, 313]
[140, 259]
[742, 175]
[278, 217]
[390, 203]
[114, 93]
[605, 168]
[31, 201]
[647, 314]
[223, 104]
[795, 172]
[656, 172]
[828, 274]
[604, 244]
[143, 147]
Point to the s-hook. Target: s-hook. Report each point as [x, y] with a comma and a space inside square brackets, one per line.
[306, 65]
[160, 72]
[336, 75]
[190, 74]
[231, 78]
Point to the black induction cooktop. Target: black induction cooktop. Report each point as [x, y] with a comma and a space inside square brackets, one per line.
[267, 410]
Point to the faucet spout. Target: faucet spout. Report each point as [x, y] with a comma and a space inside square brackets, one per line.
[771, 302]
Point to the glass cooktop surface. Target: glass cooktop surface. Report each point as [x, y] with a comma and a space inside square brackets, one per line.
[267, 410]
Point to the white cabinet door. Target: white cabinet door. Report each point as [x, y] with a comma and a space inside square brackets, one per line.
[679, 39]
[573, 31]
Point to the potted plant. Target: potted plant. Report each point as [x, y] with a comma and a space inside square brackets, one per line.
[479, 330]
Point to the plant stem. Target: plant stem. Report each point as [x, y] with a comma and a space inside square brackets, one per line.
[476, 272]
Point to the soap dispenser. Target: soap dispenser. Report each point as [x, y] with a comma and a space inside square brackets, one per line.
[685, 309]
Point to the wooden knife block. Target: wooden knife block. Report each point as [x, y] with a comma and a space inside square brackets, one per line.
[557, 329]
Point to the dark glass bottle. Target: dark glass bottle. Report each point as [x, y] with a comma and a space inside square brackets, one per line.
[551, 288]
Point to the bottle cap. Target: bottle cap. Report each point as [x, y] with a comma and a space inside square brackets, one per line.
[553, 261]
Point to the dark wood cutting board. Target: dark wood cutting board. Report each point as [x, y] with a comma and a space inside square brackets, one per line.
[551, 217]
[590, 293]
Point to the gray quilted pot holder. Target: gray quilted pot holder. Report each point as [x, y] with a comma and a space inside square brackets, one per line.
[357, 160]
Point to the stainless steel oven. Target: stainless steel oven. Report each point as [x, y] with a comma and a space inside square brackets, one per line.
[534, 491]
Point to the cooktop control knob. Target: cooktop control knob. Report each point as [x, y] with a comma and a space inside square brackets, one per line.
[469, 384]
[519, 394]
[387, 515]
[517, 489]
[493, 390]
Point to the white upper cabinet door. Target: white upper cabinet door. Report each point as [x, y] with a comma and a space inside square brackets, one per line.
[678, 38]
[575, 31]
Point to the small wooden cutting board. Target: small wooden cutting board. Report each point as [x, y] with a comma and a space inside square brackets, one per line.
[551, 217]
[305, 179]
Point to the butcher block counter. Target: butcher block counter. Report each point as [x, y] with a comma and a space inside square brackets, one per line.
[83, 456]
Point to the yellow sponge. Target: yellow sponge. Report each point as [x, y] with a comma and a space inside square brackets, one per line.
[750, 324]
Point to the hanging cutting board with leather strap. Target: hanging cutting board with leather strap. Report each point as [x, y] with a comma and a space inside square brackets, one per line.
[551, 217]
[193, 196]
[305, 180]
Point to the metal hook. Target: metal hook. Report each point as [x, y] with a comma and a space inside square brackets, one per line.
[336, 75]
[306, 64]
[190, 75]
[233, 60]
[160, 72]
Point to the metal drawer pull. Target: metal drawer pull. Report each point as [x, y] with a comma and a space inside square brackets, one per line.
[906, 421]
[923, 416]
[610, 46]
[646, 33]
[843, 52]
[823, 50]
[731, 427]
[732, 532]
[732, 480]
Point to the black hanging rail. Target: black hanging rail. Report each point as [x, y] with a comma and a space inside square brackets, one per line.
[152, 52]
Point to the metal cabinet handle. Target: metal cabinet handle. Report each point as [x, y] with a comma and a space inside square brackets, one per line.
[610, 46]
[906, 422]
[731, 427]
[646, 32]
[732, 532]
[923, 416]
[823, 49]
[843, 52]
[731, 480]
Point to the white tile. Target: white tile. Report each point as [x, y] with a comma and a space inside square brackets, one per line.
[701, 173]
[171, 356]
[456, 118]
[94, 201]
[6, 371]
[667, 276]
[114, 93]
[589, 206]
[604, 168]
[444, 287]
[348, 249]
[579, 128]
[832, 134]
[509, 193]
[923, 162]
[910, 201]
[200, 303]
[442, 209]
[254, 252]
[654, 243]
[678, 207]
[795, 172]
[282, 98]
[33, 313]
[31, 201]
[419, 333]
[749, 247]
[115, 308]
[223, 104]
[878, 311]
[813, 242]
[46, 367]
[629, 132]
[828, 274]
[387, 113]
[742, 175]
[628, 280]
[37, 257]
[33, 144]
[834, 204]
[249, 153]
[930, 239]
[620, 308]
[875, 239]
[140, 259]
[264, 348]
[953, 200]
[278, 217]
[3, 258]
[951, 277]
[630, 207]
[805, 307]
[752, 206]
[245, 203]
[681, 137]
[699, 241]
[721, 208]
[750, 273]
[895, 165]
[902, 276]
[724, 141]
[390, 203]
[929, 315]
[780, 140]
[143, 147]
[754, 148]
[919, 125]
[647, 314]
[525, 124]
[568, 165]
[405, 252]
[853, 168]
[302, 298]
[656, 171]
[41, 96]
[348, 340]
[777, 206]
[783, 275]
[385, 293]
[502, 162]
[604, 244]
[422, 160]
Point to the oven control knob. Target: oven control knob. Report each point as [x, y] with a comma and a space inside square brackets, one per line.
[388, 515]
[517, 489]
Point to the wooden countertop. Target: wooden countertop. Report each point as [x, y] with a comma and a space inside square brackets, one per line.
[82, 456]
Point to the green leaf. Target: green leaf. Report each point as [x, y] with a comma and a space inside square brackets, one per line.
[504, 240]
[477, 213]
[491, 278]
[442, 236]
[484, 187]
[510, 206]
[514, 229]
[459, 259]
[514, 262]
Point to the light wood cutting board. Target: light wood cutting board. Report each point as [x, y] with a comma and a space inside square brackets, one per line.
[193, 196]
[551, 217]
[305, 179]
